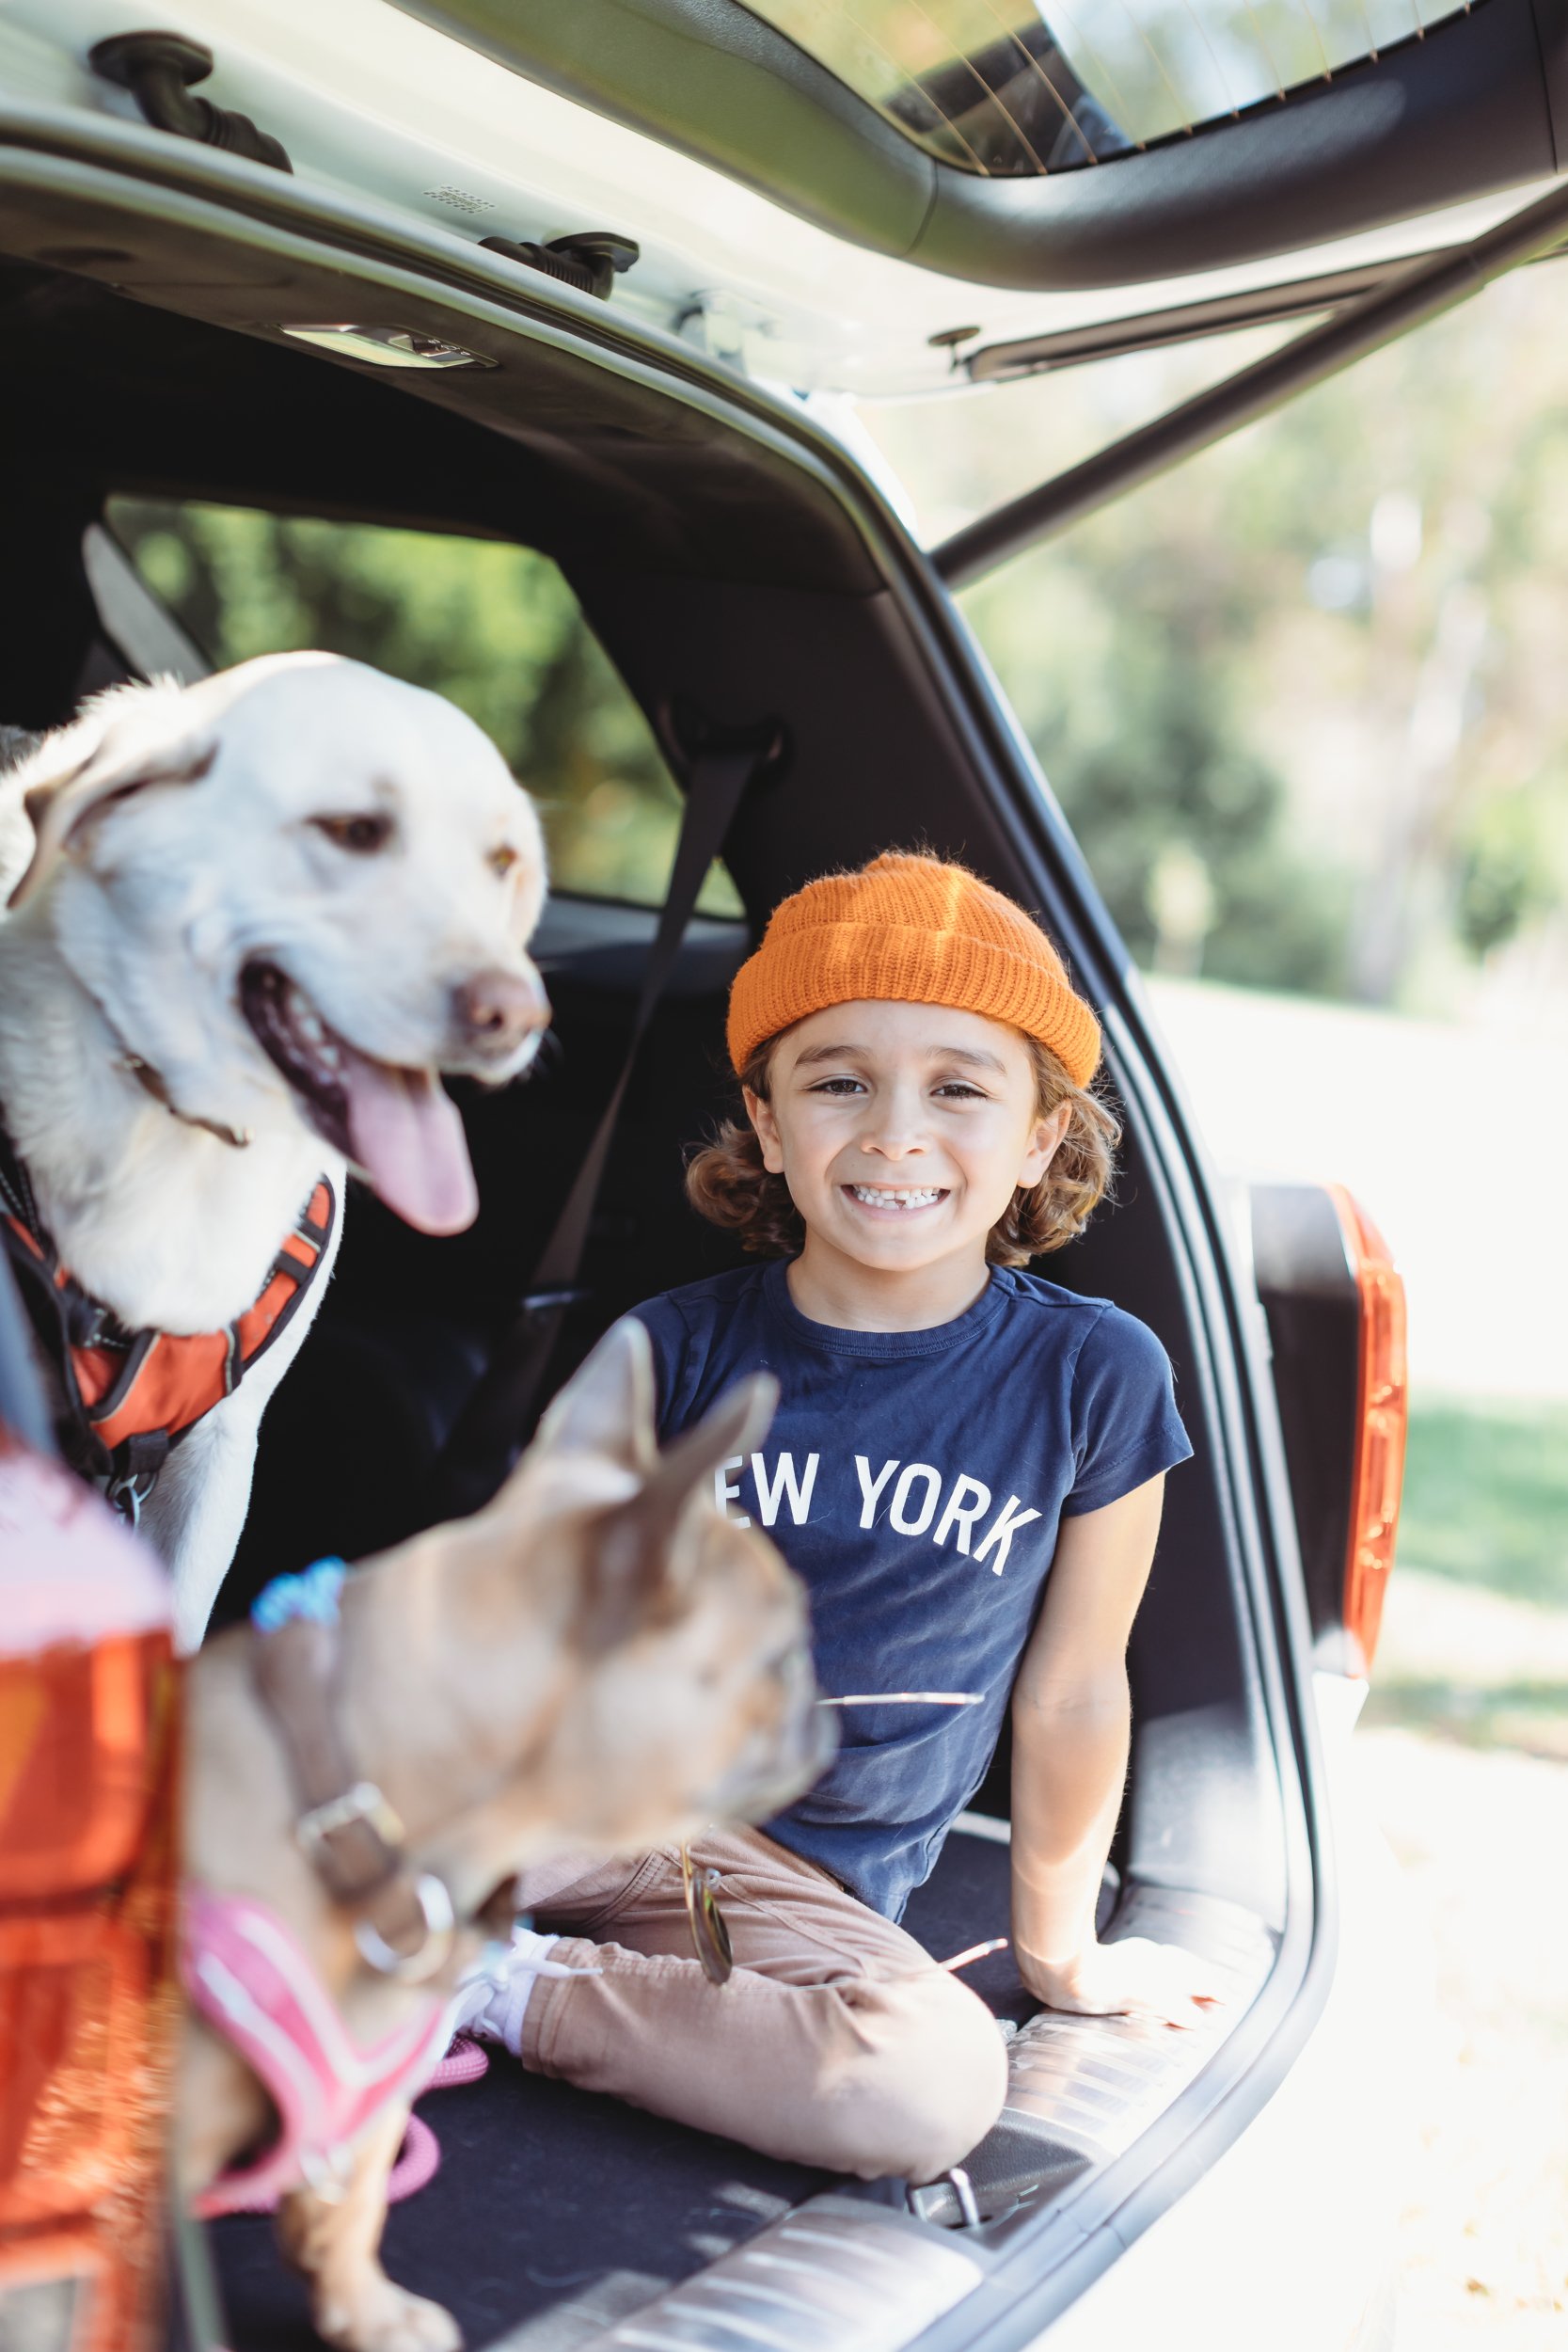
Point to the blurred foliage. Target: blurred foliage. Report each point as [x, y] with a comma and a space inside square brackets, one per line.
[494, 628]
[1127, 701]
[1323, 658]
[1154, 65]
[1486, 1495]
[1505, 870]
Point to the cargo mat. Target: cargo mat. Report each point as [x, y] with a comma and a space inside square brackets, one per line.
[556, 2213]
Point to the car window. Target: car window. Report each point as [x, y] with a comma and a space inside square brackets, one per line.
[492, 626]
[1012, 88]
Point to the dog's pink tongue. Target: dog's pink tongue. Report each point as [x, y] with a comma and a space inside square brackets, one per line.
[408, 1138]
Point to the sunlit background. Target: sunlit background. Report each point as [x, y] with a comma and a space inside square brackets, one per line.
[1306, 704]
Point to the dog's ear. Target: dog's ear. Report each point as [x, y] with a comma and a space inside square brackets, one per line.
[608, 1405]
[122, 746]
[644, 1549]
[739, 1422]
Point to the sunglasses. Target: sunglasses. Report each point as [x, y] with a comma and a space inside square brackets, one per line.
[709, 1934]
[710, 1937]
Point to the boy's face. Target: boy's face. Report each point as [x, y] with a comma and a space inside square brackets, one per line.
[903, 1131]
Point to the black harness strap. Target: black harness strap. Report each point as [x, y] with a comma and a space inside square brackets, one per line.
[16, 1187]
[495, 1424]
[26, 1408]
[59, 1319]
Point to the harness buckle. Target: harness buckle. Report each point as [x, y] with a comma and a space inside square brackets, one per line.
[364, 1802]
[430, 1953]
[129, 1485]
[127, 1493]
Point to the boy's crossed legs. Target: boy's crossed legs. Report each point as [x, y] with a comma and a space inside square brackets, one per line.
[837, 2042]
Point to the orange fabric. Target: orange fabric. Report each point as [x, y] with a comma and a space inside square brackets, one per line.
[181, 1375]
[915, 932]
[75, 1991]
[77, 1736]
[252, 1327]
[181, 1378]
[88, 1996]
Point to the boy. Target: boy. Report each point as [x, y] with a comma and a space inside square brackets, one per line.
[967, 1466]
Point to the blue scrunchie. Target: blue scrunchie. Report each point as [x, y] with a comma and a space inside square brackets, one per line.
[311, 1593]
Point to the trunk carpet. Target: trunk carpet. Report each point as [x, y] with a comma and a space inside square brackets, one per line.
[556, 2213]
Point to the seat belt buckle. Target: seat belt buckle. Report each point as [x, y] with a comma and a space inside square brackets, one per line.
[687, 735]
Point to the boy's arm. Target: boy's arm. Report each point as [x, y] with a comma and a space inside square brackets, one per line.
[1072, 1724]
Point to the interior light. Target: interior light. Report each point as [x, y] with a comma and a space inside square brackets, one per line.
[390, 346]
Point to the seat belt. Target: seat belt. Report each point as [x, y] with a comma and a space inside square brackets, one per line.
[498, 1419]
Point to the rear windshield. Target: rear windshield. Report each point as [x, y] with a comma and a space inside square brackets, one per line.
[1009, 88]
[492, 626]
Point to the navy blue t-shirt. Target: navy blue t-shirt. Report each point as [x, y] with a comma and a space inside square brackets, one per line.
[917, 1481]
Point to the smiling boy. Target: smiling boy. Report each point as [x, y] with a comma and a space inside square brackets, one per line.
[967, 1466]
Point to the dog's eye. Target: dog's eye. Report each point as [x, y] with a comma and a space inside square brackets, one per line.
[502, 860]
[360, 834]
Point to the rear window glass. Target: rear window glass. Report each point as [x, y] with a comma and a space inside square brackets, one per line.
[1012, 88]
[492, 626]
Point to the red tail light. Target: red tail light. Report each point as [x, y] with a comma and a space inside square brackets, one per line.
[1382, 1411]
[89, 1830]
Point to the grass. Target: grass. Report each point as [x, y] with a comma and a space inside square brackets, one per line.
[1465, 1761]
[1529, 1717]
[1475, 1646]
[1486, 1495]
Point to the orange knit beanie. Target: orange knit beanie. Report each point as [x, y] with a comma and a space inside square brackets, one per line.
[920, 933]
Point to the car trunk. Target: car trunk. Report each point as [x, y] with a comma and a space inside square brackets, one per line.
[555, 2212]
[734, 568]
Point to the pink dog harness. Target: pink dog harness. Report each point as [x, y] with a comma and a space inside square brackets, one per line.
[252, 1980]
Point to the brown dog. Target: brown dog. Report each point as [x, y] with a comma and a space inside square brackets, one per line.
[596, 1660]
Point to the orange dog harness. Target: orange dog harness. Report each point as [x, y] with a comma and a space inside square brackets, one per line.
[129, 1395]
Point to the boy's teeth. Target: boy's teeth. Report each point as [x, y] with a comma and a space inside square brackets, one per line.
[875, 1198]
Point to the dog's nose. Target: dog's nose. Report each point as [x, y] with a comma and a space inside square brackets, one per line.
[496, 1010]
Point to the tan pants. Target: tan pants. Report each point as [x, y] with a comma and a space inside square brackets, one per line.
[837, 2042]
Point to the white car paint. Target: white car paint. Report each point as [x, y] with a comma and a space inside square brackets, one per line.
[1288, 2237]
[367, 100]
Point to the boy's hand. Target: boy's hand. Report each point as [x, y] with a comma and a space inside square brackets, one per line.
[1134, 1977]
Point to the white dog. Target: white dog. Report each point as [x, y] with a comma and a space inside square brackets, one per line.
[252, 921]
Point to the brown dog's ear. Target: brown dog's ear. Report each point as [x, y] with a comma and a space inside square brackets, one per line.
[739, 1422]
[643, 1550]
[103, 758]
[608, 1405]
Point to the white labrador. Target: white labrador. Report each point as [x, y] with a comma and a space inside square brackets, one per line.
[252, 921]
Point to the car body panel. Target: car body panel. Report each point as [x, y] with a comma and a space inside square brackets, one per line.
[374, 105]
[214, 228]
[1292, 2229]
[1467, 108]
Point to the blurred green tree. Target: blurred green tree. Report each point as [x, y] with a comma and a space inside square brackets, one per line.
[1323, 660]
[1128, 703]
[494, 628]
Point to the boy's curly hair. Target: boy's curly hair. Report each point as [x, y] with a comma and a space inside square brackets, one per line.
[726, 1181]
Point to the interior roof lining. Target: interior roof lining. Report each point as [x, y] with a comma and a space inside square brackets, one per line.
[550, 445]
